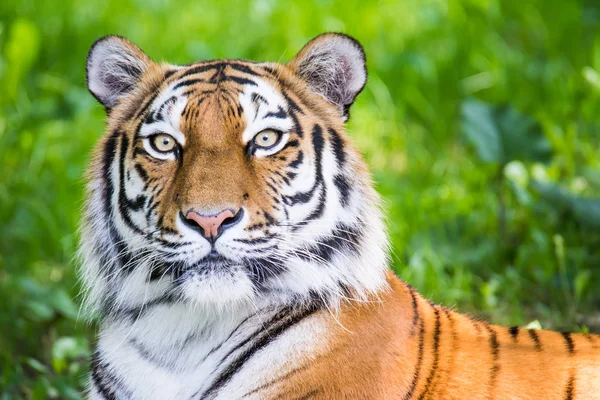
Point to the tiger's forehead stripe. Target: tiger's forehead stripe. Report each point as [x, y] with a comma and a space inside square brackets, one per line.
[164, 115]
[187, 75]
[250, 93]
[264, 108]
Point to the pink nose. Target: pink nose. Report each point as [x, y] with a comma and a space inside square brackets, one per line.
[211, 224]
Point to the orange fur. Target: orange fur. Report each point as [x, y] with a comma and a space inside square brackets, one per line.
[385, 350]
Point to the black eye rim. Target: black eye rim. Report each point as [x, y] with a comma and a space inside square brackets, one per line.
[252, 146]
[153, 137]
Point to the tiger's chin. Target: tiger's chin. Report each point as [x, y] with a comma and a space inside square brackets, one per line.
[217, 289]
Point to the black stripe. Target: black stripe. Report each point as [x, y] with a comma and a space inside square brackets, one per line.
[146, 105]
[256, 97]
[102, 378]
[569, 342]
[110, 152]
[319, 209]
[123, 202]
[291, 143]
[415, 318]
[343, 187]
[243, 68]
[338, 147]
[268, 335]
[187, 82]
[277, 380]
[147, 354]
[536, 340]
[454, 347]
[495, 350]
[141, 172]
[139, 151]
[151, 118]
[199, 69]
[276, 319]
[297, 161]
[258, 240]
[133, 313]
[318, 145]
[269, 70]
[233, 332]
[305, 197]
[435, 349]
[280, 114]
[417, 371]
[169, 73]
[297, 126]
[283, 177]
[592, 339]
[344, 239]
[514, 332]
[293, 105]
[108, 156]
[569, 389]
[261, 270]
[269, 218]
[236, 79]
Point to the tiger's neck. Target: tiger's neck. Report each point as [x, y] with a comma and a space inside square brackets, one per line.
[197, 352]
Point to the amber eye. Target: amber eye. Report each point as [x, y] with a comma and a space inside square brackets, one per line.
[267, 139]
[163, 143]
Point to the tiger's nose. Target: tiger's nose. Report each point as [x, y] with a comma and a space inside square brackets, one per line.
[213, 226]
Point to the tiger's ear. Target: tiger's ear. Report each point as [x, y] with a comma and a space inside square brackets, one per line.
[334, 65]
[114, 67]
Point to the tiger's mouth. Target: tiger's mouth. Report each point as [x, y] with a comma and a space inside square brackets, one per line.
[213, 262]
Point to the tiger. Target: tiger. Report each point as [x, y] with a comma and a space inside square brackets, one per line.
[233, 247]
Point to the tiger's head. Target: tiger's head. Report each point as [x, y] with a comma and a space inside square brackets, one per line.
[229, 182]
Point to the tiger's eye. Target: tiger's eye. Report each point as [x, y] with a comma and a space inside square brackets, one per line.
[266, 139]
[163, 142]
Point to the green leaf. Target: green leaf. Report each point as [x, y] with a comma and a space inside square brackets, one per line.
[40, 311]
[62, 302]
[65, 349]
[501, 134]
[582, 281]
[481, 130]
[585, 211]
[535, 324]
[36, 365]
[21, 51]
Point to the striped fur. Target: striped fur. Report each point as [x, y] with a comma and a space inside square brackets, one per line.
[294, 300]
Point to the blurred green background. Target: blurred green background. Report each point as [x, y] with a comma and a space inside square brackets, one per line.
[480, 122]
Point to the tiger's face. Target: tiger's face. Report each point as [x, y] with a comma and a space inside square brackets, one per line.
[229, 182]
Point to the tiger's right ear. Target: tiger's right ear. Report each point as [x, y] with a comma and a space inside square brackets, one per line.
[114, 67]
[334, 66]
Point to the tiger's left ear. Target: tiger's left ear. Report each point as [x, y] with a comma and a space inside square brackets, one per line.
[334, 66]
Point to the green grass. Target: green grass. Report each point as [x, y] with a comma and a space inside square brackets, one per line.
[491, 227]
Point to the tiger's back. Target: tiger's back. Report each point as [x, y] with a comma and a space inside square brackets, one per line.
[407, 347]
[234, 246]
